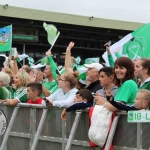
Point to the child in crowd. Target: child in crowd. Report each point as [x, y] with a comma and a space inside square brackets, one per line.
[142, 101]
[83, 99]
[34, 91]
[107, 81]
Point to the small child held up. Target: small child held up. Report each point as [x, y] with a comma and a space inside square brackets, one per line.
[83, 99]
[34, 91]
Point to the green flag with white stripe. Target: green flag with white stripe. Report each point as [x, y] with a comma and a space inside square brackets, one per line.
[135, 45]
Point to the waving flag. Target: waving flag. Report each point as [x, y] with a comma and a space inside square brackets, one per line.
[30, 61]
[135, 45]
[52, 33]
[21, 57]
[5, 38]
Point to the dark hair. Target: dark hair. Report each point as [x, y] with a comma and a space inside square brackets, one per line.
[145, 64]
[35, 87]
[129, 65]
[86, 94]
[108, 71]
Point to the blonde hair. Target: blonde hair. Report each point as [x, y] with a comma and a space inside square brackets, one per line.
[145, 96]
[7, 70]
[71, 78]
[25, 78]
[5, 78]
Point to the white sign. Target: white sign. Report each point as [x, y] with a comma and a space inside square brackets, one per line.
[3, 123]
[138, 116]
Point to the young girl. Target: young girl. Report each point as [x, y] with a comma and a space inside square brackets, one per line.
[142, 101]
[21, 80]
[142, 72]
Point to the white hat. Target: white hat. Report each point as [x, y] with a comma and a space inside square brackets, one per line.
[94, 65]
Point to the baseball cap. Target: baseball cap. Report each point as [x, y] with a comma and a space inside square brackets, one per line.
[94, 65]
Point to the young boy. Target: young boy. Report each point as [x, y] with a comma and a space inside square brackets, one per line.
[106, 80]
[83, 99]
[34, 91]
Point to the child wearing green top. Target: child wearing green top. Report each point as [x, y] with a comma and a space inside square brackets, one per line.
[142, 72]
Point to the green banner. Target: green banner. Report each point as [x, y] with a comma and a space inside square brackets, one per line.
[5, 38]
[138, 46]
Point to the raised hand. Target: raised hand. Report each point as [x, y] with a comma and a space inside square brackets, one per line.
[71, 45]
[48, 53]
[107, 48]
[117, 50]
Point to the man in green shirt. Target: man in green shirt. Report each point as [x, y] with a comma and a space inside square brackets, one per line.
[50, 86]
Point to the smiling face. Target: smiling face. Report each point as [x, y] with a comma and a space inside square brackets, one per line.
[120, 72]
[17, 81]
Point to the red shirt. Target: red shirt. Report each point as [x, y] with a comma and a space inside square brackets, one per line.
[38, 101]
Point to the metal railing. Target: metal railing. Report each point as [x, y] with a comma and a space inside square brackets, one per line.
[34, 127]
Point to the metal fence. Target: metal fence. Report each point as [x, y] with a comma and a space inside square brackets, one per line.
[38, 128]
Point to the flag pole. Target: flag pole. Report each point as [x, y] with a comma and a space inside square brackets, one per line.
[40, 60]
[54, 40]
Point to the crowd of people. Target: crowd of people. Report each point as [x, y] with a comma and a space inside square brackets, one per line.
[123, 86]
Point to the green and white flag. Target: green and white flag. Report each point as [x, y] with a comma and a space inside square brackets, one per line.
[37, 66]
[92, 60]
[78, 60]
[135, 45]
[5, 38]
[52, 33]
[44, 60]
[82, 74]
[21, 57]
[30, 61]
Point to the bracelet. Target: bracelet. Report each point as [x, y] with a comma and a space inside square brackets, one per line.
[104, 104]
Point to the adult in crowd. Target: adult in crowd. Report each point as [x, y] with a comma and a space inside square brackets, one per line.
[92, 77]
[50, 86]
[124, 79]
[21, 80]
[142, 72]
[4, 84]
[7, 70]
[69, 68]
[26, 68]
[66, 93]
